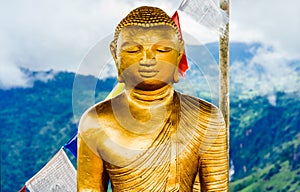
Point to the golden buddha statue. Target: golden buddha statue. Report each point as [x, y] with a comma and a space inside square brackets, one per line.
[151, 137]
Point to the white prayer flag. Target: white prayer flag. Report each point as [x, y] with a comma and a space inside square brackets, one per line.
[58, 175]
[207, 13]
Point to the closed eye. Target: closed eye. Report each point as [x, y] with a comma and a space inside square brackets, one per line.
[163, 49]
[132, 51]
[130, 47]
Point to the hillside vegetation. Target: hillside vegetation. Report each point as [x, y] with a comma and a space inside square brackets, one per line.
[265, 144]
[37, 121]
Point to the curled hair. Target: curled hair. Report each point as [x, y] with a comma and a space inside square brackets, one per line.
[146, 17]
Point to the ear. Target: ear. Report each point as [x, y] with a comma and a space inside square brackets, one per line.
[180, 52]
[176, 75]
[113, 51]
[179, 57]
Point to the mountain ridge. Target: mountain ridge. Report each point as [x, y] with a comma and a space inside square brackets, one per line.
[264, 130]
[52, 123]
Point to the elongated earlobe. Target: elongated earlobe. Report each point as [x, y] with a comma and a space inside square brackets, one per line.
[113, 50]
[176, 76]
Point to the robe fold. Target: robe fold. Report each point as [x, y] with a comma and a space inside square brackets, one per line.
[190, 144]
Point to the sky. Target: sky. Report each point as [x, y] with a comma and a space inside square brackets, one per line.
[59, 34]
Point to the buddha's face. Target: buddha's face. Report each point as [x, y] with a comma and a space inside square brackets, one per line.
[147, 58]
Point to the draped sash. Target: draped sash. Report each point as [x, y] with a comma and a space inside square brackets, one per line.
[151, 169]
[173, 160]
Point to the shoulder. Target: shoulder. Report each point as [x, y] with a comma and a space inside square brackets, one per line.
[200, 104]
[92, 125]
[205, 112]
[92, 115]
[99, 115]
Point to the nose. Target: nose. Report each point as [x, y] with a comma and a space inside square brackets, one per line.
[148, 58]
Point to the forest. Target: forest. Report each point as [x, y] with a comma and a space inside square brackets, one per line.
[36, 122]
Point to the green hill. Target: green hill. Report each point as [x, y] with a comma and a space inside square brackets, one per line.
[37, 121]
[265, 144]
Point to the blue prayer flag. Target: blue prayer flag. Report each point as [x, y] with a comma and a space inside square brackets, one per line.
[71, 145]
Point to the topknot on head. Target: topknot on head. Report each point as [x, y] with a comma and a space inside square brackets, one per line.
[146, 17]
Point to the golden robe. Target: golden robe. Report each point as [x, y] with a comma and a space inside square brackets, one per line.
[191, 142]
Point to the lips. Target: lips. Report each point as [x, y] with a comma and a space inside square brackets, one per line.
[148, 73]
[148, 70]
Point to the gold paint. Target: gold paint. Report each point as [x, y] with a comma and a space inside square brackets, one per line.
[150, 137]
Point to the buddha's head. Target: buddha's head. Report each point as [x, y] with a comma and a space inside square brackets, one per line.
[147, 49]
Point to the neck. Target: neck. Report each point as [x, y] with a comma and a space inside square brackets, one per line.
[151, 106]
[142, 98]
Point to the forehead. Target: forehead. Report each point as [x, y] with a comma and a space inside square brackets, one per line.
[147, 34]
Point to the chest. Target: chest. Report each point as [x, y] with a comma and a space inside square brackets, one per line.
[166, 167]
[124, 142]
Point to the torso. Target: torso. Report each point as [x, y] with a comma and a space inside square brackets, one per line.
[176, 149]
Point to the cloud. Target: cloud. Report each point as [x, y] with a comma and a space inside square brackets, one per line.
[274, 23]
[267, 72]
[10, 75]
[275, 65]
[53, 34]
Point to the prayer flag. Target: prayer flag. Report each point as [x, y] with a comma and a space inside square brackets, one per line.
[207, 13]
[57, 175]
[71, 145]
[183, 65]
[23, 189]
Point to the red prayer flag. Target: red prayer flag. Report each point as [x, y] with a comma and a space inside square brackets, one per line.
[183, 65]
[23, 189]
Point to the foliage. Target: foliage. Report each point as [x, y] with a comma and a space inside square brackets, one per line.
[277, 177]
[265, 144]
[37, 121]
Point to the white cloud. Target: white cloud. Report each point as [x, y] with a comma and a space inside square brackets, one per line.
[274, 23]
[53, 34]
[10, 75]
[267, 72]
[278, 74]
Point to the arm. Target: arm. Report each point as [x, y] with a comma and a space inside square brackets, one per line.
[91, 175]
[213, 168]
